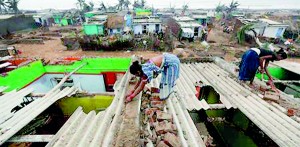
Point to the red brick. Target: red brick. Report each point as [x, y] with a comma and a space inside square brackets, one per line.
[162, 144]
[163, 116]
[164, 127]
[150, 111]
[272, 96]
[155, 98]
[172, 140]
[158, 104]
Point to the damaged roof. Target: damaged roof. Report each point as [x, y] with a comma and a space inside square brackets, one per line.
[115, 21]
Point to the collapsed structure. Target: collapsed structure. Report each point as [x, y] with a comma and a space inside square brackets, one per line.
[147, 120]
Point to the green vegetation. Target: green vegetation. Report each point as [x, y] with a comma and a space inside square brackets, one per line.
[241, 34]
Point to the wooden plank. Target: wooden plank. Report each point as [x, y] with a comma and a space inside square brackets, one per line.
[31, 138]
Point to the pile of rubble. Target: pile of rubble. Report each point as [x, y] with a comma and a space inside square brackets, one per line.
[157, 126]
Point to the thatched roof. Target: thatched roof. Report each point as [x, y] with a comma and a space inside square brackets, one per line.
[115, 21]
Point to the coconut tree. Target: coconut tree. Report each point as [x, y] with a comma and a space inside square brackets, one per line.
[91, 5]
[2, 6]
[80, 3]
[13, 5]
[220, 8]
[185, 7]
[102, 7]
[120, 4]
[232, 7]
[143, 3]
[126, 4]
[139, 4]
[241, 34]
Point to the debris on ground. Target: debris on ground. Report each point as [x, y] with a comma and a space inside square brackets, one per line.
[158, 128]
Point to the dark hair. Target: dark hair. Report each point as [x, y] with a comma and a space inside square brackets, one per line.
[282, 53]
[135, 67]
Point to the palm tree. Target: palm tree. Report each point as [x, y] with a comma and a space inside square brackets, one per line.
[232, 7]
[13, 5]
[92, 5]
[136, 4]
[184, 8]
[143, 3]
[139, 4]
[2, 6]
[120, 5]
[241, 34]
[220, 8]
[80, 3]
[102, 7]
[126, 4]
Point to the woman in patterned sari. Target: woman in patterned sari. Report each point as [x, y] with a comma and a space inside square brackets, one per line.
[166, 64]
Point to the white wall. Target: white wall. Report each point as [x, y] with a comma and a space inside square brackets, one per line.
[271, 32]
[151, 28]
[138, 29]
[89, 83]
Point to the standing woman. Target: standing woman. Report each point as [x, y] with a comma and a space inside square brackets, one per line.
[166, 64]
[254, 58]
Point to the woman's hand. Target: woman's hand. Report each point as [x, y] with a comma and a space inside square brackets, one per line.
[129, 98]
[262, 71]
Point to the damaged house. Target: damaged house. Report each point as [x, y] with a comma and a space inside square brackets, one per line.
[143, 25]
[115, 24]
[94, 23]
[185, 27]
[263, 27]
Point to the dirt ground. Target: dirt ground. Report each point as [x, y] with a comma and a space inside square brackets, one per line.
[53, 49]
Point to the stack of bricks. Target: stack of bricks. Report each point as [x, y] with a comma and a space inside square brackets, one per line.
[158, 128]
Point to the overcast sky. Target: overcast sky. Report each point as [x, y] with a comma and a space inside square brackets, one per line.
[67, 4]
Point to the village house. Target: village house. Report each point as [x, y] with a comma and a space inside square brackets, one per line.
[185, 27]
[150, 24]
[263, 27]
[94, 23]
[66, 18]
[270, 29]
[115, 24]
[200, 17]
[45, 17]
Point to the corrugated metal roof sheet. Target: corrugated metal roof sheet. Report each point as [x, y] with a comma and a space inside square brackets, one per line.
[100, 129]
[290, 66]
[278, 126]
[11, 122]
[189, 24]
[183, 18]
[146, 21]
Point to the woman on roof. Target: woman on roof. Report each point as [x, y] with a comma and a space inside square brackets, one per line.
[254, 58]
[166, 64]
